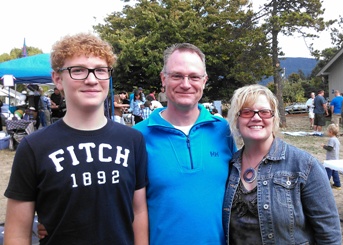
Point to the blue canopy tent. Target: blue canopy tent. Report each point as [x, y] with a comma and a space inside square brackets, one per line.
[34, 69]
[30, 69]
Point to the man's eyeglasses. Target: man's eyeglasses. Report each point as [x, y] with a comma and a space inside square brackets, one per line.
[81, 73]
[178, 77]
[248, 113]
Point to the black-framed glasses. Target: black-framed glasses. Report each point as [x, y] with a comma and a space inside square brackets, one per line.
[81, 73]
[179, 77]
[248, 113]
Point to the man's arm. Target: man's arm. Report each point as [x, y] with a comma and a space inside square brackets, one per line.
[325, 109]
[18, 223]
[116, 103]
[140, 223]
[121, 105]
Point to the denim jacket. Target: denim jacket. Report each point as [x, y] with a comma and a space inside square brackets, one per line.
[294, 198]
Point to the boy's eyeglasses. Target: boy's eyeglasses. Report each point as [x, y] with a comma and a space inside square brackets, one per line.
[248, 113]
[81, 73]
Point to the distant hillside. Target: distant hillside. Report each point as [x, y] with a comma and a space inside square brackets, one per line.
[293, 65]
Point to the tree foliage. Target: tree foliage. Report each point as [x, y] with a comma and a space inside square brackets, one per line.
[289, 18]
[337, 33]
[16, 53]
[236, 49]
[293, 92]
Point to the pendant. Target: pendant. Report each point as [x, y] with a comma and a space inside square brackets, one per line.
[248, 172]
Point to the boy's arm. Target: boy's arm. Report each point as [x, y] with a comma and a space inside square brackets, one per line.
[18, 223]
[140, 223]
[328, 147]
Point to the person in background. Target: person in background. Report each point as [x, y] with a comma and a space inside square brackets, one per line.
[56, 99]
[320, 110]
[119, 107]
[44, 108]
[136, 107]
[142, 95]
[152, 94]
[276, 193]
[310, 107]
[33, 100]
[224, 113]
[336, 108]
[216, 113]
[146, 109]
[162, 97]
[154, 103]
[187, 182]
[131, 99]
[332, 153]
[87, 185]
[126, 100]
[127, 116]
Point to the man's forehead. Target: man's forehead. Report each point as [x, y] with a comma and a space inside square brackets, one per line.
[185, 57]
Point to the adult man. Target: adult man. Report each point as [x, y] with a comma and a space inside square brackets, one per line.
[84, 175]
[310, 107]
[320, 110]
[44, 108]
[336, 107]
[119, 107]
[188, 154]
[162, 97]
[56, 99]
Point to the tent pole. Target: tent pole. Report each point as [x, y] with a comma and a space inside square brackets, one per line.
[112, 99]
[15, 94]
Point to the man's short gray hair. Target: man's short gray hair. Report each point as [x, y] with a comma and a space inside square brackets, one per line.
[182, 47]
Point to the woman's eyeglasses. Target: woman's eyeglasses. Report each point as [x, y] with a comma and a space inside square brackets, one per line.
[248, 113]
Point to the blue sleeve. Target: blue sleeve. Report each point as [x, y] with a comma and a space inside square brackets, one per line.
[231, 141]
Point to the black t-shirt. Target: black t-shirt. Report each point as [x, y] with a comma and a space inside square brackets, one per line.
[83, 182]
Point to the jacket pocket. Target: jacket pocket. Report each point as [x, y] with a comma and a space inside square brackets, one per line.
[285, 188]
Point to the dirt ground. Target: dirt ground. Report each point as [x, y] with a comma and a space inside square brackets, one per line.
[295, 123]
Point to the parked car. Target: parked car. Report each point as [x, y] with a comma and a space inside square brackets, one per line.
[296, 108]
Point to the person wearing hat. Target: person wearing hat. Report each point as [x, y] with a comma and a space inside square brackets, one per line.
[119, 107]
[140, 89]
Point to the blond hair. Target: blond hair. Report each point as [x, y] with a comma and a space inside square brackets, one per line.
[333, 128]
[246, 97]
[81, 44]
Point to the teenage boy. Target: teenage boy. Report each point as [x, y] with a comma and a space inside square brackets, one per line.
[84, 175]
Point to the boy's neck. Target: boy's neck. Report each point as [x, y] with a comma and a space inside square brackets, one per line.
[87, 122]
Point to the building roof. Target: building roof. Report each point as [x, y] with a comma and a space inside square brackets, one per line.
[326, 69]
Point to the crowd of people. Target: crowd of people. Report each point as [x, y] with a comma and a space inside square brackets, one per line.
[39, 106]
[176, 176]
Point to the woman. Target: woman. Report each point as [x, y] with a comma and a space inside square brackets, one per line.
[276, 193]
[137, 105]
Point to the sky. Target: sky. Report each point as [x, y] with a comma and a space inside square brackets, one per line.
[41, 23]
